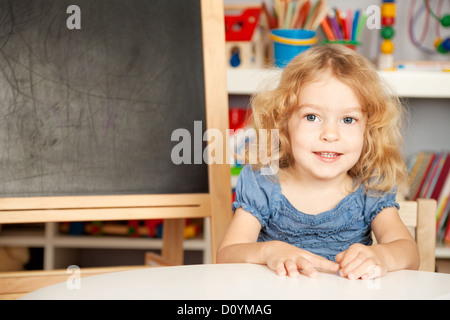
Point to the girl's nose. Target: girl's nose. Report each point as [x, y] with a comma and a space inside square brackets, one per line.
[330, 132]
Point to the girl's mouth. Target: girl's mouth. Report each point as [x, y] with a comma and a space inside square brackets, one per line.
[328, 156]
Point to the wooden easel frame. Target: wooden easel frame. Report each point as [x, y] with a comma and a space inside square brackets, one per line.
[175, 208]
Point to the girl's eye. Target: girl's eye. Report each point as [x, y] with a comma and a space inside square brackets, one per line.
[349, 120]
[311, 117]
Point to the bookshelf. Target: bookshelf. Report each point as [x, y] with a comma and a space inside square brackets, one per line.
[406, 84]
[442, 251]
[48, 237]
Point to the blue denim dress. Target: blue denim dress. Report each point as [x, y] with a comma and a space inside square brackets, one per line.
[325, 234]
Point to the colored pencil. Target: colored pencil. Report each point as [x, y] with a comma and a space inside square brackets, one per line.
[361, 25]
[338, 16]
[334, 24]
[273, 23]
[327, 29]
[280, 13]
[349, 23]
[320, 17]
[355, 25]
[312, 14]
[302, 16]
[344, 27]
[296, 13]
[290, 6]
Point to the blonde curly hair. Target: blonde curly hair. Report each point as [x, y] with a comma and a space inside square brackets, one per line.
[380, 167]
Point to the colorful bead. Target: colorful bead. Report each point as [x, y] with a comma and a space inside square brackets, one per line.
[387, 21]
[441, 49]
[387, 33]
[388, 10]
[446, 44]
[437, 42]
[387, 47]
[445, 21]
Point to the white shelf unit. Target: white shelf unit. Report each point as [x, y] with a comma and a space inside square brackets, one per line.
[406, 84]
[50, 239]
[442, 252]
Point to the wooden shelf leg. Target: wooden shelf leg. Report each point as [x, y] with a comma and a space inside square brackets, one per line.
[173, 237]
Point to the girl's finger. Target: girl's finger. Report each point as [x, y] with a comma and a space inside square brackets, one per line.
[361, 270]
[307, 268]
[324, 264]
[291, 268]
[352, 267]
[373, 272]
[277, 266]
[340, 256]
[348, 257]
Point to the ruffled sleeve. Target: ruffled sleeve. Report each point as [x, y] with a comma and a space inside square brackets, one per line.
[376, 204]
[250, 195]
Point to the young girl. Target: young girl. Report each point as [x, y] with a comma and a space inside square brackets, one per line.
[339, 169]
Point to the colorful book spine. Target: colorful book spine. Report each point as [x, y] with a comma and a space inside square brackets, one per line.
[429, 177]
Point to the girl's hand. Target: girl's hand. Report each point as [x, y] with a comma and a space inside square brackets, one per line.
[286, 259]
[360, 261]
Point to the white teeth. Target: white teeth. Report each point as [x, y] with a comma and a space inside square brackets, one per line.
[328, 155]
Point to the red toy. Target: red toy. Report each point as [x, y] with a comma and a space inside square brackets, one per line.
[241, 28]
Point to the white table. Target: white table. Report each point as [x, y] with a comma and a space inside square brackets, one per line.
[246, 282]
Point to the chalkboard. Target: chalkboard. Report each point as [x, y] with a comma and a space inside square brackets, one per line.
[91, 110]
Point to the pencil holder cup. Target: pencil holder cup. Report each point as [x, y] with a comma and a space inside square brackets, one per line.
[288, 43]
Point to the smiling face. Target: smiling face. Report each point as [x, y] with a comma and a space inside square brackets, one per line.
[327, 130]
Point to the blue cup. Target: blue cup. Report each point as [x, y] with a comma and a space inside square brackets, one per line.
[288, 43]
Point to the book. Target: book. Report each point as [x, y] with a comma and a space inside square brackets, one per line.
[447, 234]
[412, 179]
[441, 179]
[443, 226]
[418, 174]
[431, 176]
[442, 205]
[424, 170]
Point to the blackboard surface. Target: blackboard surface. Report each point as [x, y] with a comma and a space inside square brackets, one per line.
[91, 111]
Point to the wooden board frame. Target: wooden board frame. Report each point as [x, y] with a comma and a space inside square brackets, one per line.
[216, 204]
